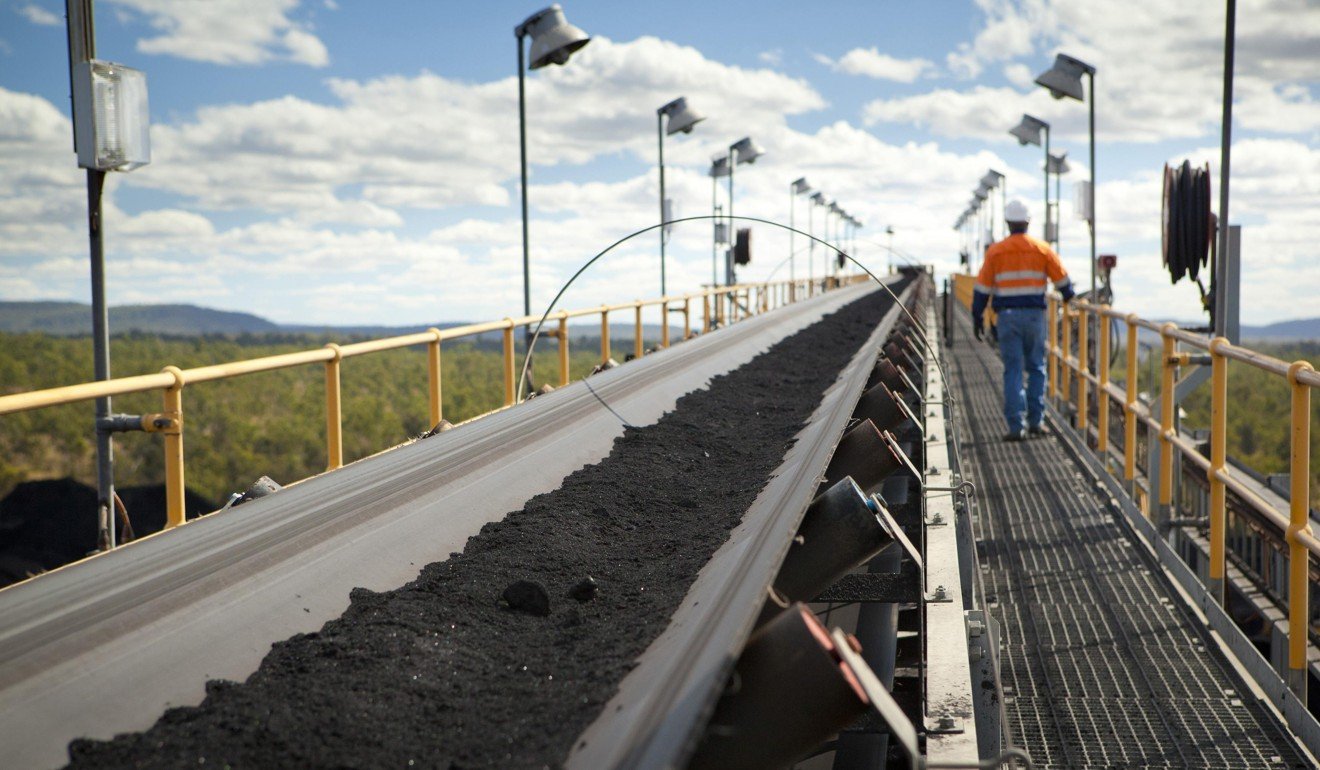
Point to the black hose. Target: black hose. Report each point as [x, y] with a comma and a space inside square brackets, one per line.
[1188, 223]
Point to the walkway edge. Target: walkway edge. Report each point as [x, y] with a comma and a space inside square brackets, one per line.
[1236, 646]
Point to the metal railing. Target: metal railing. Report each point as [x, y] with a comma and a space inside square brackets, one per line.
[1073, 321]
[720, 306]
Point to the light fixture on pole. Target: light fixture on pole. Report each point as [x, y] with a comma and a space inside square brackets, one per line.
[1058, 166]
[110, 133]
[995, 180]
[798, 187]
[1065, 79]
[817, 199]
[719, 166]
[553, 41]
[681, 119]
[742, 151]
[1029, 132]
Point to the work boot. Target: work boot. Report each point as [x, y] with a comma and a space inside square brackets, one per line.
[1015, 435]
[1036, 430]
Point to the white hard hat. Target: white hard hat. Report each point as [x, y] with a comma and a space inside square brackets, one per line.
[1017, 211]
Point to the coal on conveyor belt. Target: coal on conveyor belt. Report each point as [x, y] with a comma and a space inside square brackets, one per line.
[502, 655]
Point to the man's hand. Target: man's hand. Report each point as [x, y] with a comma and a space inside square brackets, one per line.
[978, 327]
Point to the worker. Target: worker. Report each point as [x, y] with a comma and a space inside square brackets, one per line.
[1014, 277]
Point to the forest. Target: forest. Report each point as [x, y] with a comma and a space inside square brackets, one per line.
[236, 430]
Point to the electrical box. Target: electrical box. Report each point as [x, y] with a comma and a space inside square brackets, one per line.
[110, 116]
[1082, 202]
[722, 233]
[742, 248]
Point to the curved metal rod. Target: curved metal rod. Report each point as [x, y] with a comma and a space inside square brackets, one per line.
[536, 334]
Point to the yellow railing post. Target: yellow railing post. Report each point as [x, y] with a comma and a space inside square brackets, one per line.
[1166, 420]
[509, 393]
[1083, 368]
[664, 323]
[705, 313]
[604, 334]
[334, 418]
[687, 318]
[433, 367]
[1102, 392]
[1130, 409]
[563, 349]
[1299, 558]
[1066, 374]
[1218, 458]
[174, 484]
[637, 330]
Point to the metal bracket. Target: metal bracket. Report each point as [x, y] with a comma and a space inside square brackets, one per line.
[940, 595]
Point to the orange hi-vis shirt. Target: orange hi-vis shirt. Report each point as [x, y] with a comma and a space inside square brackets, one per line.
[1016, 273]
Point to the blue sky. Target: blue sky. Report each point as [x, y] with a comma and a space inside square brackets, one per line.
[348, 162]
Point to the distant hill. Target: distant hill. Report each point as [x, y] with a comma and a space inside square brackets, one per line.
[1297, 329]
[75, 318]
[69, 319]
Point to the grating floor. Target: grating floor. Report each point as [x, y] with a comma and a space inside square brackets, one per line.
[1101, 667]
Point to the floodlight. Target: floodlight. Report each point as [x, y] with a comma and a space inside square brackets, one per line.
[1028, 131]
[553, 38]
[1058, 164]
[992, 179]
[719, 166]
[110, 116]
[747, 150]
[681, 116]
[818, 198]
[1065, 77]
[800, 186]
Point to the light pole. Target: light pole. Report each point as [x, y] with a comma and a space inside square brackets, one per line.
[995, 180]
[798, 187]
[1028, 132]
[1058, 166]
[719, 166]
[817, 199]
[553, 41]
[1065, 79]
[681, 118]
[742, 151]
[110, 133]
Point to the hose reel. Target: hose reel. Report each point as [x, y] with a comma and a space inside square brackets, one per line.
[1189, 226]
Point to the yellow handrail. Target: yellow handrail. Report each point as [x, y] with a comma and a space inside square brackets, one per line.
[171, 380]
[1300, 376]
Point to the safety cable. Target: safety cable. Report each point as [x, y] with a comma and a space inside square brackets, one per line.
[536, 335]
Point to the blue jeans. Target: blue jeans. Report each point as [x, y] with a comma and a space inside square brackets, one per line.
[1022, 347]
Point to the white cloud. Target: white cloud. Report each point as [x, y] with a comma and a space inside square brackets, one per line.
[38, 15]
[1159, 67]
[869, 62]
[774, 57]
[228, 32]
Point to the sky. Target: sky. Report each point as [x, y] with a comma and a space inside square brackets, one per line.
[340, 162]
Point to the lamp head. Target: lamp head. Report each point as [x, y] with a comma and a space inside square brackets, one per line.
[818, 198]
[747, 150]
[992, 179]
[1065, 77]
[719, 166]
[1028, 131]
[1058, 164]
[553, 38]
[681, 116]
[800, 186]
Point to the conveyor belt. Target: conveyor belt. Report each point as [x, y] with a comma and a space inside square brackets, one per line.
[1102, 665]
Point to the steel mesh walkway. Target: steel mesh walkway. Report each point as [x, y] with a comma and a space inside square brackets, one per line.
[1102, 667]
